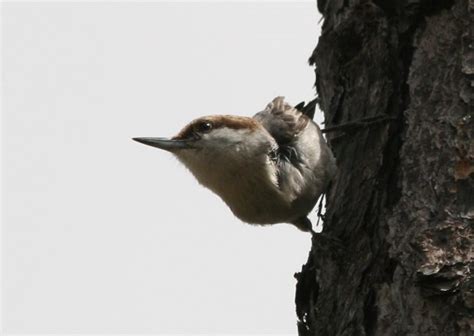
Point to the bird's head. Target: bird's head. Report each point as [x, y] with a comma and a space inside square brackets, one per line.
[215, 140]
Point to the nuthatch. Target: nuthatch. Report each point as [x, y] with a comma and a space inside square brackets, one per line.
[268, 169]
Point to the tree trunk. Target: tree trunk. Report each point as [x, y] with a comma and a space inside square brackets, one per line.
[396, 254]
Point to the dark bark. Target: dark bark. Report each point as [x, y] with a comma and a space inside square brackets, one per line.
[396, 254]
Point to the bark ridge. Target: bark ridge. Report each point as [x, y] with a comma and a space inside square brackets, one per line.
[396, 256]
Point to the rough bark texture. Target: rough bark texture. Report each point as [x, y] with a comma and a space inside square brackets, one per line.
[396, 255]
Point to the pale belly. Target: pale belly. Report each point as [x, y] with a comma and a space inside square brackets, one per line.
[251, 191]
[263, 205]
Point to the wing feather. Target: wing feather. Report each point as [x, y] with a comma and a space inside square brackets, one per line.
[282, 121]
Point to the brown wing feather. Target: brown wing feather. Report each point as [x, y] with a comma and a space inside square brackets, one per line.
[282, 121]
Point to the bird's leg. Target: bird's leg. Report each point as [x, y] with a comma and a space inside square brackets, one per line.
[364, 122]
[304, 224]
[325, 239]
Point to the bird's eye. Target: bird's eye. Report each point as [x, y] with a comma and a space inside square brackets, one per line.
[203, 127]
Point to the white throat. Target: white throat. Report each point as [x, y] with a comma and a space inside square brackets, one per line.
[234, 164]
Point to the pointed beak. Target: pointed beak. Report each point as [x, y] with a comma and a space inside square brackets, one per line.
[169, 145]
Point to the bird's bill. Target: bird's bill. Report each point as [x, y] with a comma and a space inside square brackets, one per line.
[166, 144]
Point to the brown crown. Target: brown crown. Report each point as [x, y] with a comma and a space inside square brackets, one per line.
[218, 121]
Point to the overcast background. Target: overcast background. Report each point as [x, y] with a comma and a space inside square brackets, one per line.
[104, 235]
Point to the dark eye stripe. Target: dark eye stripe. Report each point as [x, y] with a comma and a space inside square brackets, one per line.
[203, 127]
[198, 126]
[195, 128]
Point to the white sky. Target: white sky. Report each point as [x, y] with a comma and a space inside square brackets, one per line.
[104, 235]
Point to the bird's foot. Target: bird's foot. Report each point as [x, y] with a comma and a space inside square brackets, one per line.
[327, 239]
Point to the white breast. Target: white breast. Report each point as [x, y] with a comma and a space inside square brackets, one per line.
[239, 170]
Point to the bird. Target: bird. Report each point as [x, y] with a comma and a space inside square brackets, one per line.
[269, 169]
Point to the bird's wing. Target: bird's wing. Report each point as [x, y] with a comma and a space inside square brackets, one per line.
[308, 109]
[282, 121]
